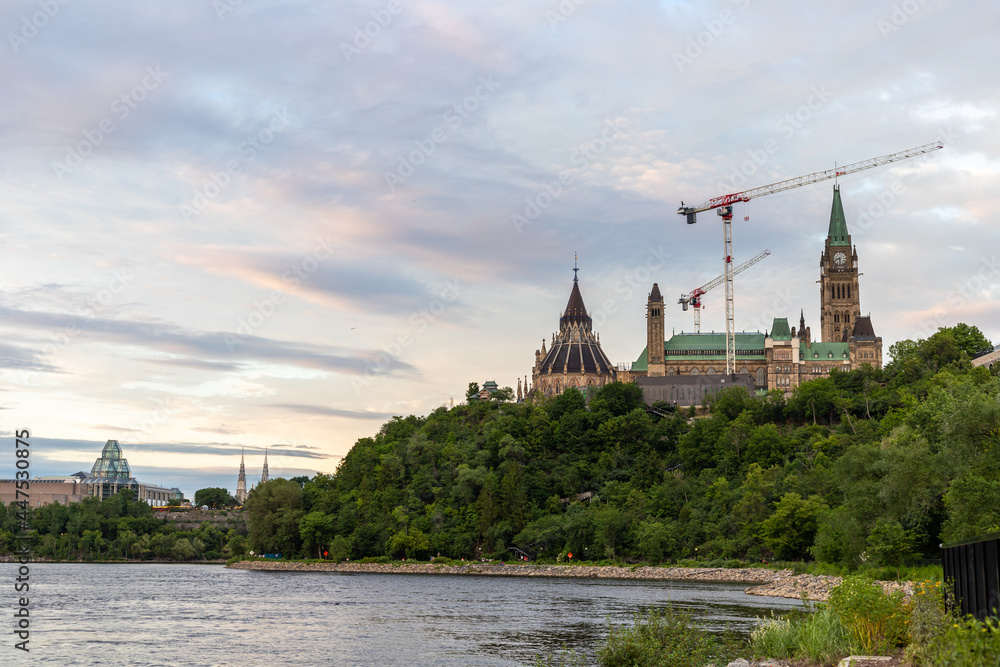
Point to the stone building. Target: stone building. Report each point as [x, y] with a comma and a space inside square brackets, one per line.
[110, 474]
[574, 357]
[241, 482]
[785, 356]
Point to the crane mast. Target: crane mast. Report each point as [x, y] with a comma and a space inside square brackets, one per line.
[694, 297]
[724, 208]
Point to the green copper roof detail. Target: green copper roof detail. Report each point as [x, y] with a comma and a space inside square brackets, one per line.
[838, 223]
[780, 330]
[641, 364]
[828, 351]
[745, 341]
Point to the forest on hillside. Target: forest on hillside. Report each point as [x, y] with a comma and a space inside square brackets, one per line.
[866, 465]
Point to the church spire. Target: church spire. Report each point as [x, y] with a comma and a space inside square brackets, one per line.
[264, 475]
[837, 234]
[241, 481]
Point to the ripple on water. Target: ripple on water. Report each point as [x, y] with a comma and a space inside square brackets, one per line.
[160, 614]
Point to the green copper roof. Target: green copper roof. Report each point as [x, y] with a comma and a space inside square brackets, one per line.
[706, 347]
[838, 223]
[683, 342]
[780, 330]
[641, 364]
[829, 351]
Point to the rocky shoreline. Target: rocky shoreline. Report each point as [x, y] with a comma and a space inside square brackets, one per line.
[780, 583]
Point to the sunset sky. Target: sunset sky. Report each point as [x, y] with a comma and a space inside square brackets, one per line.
[240, 224]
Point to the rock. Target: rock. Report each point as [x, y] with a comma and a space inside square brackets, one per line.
[739, 662]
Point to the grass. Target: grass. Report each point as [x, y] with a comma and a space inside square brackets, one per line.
[819, 637]
[666, 638]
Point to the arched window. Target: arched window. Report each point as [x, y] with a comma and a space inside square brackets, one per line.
[710, 371]
[848, 291]
[836, 317]
[847, 317]
[694, 371]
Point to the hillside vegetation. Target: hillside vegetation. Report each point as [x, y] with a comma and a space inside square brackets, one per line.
[871, 465]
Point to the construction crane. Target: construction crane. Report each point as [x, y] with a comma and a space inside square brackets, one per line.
[724, 208]
[694, 298]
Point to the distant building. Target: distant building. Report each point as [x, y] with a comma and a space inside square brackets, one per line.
[988, 359]
[241, 482]
[780, 359]
[264, 475]
[109, 475]
[575, 358]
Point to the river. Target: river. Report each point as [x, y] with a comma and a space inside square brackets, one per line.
[176, 614]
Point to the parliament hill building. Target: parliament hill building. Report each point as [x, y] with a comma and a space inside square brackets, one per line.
[688, 366]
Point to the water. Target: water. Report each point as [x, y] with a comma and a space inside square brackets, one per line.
[160, 614]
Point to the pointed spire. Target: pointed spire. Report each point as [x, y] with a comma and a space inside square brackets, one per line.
[264, 475]
[802, 322]
[576, 311]
[241, 481]
[655, 294]
[837, 234]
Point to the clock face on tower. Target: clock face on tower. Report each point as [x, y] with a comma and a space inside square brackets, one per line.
[840, 259]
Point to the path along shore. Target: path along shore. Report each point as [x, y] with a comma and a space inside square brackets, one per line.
[780, 583]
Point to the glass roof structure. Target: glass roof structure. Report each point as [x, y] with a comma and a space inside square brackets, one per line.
[112, 465]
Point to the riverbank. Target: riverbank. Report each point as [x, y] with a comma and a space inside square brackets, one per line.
[773, 583]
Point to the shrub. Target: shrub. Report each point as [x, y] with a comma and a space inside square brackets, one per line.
[818, 637]
[875, 621]
[939, 638]
[664, 638]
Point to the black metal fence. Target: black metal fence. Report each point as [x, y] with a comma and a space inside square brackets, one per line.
[974, 569]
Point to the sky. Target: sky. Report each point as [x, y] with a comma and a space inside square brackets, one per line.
[231, 225]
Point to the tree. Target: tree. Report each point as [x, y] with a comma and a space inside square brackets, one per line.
[340, 548]
[503, 395]
[315, 530]
[213, 497]
[655, 540]
[789, 532]
[890, 545]
[182, 549]
[126, 538]
[273, 511]
[472, 393]
[236, 546]
[617, 399]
